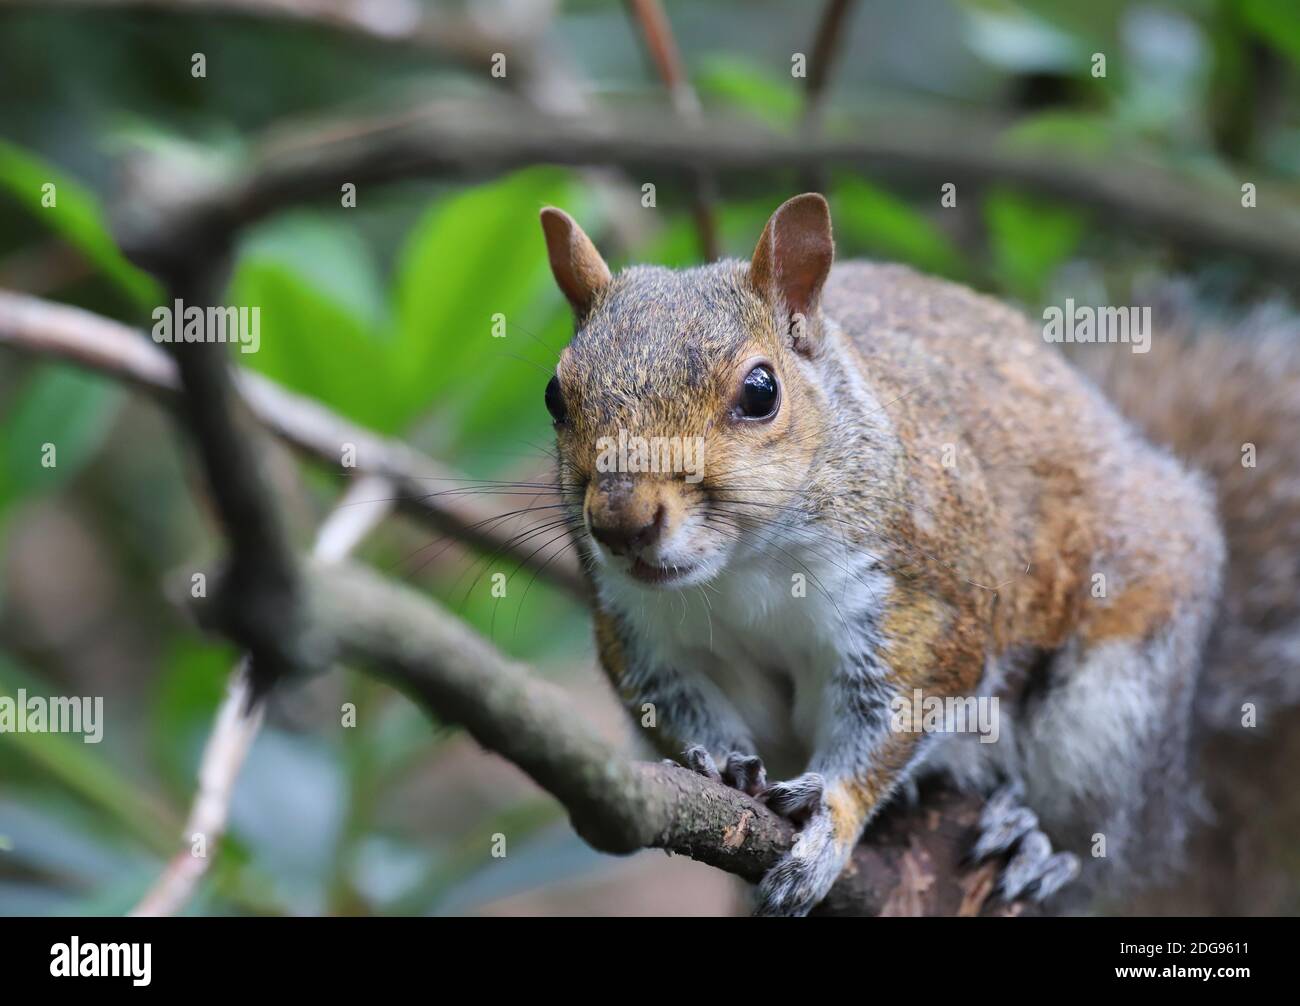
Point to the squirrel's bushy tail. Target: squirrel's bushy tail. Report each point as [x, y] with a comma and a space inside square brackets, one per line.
[1209, 394]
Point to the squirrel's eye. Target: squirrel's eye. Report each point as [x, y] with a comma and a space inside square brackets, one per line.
[759, 395]
[554, 400]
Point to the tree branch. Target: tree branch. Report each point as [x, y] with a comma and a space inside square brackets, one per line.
[389, 22]
[540, 73]
[910, 862]
[259, 586]
[473, 139]
[422, 487]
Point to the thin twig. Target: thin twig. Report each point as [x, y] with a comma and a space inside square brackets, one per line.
[657, 33]
[239, 718]
[827, 44]
[237, 722]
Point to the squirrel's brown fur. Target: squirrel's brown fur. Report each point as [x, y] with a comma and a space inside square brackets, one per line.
[1209, 393]
[988, 521]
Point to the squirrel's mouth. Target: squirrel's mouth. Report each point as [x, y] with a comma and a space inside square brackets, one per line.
[658, 575]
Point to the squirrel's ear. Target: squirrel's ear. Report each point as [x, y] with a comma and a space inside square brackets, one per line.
[578, 268]
[794, 255]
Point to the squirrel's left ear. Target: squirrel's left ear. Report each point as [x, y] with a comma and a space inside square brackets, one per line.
[794, 257]
[578, 268]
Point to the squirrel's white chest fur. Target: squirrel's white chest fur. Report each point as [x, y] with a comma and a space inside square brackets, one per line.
[768, 634]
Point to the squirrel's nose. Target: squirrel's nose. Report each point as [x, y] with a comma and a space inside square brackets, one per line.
[622, 536]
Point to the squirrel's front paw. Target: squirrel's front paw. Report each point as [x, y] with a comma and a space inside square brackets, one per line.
[807, 871]
[1033, 869]
[741, 771]
[799, 798]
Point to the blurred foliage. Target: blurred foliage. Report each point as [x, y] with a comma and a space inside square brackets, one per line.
[385, 313]
[74, 214]
[56, 405]
[1029, 240]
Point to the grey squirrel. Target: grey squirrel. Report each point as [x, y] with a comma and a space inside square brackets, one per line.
[904, 496]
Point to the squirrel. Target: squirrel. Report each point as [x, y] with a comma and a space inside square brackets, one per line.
[906, 495]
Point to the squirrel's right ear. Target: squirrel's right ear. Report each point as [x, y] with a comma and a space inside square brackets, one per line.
[794, 255]
[578, 268]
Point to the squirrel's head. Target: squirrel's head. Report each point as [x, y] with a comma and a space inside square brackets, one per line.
[685, 409]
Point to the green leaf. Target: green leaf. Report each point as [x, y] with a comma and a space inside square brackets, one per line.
[313, 342]
[327, 254]
[59, 405]
[1278, 22]
[325, 330]
[877, 222]
[76, 217]
[473, 255]
[741, 84]
[1030, 239]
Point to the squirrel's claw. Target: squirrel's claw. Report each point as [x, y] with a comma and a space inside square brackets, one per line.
[803, 876]
[741, 771]
[1061, 868]
[1000, 833]
[699, 761]
[807, 871]
[1033, 870]
[798, 798]
[745, 773]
